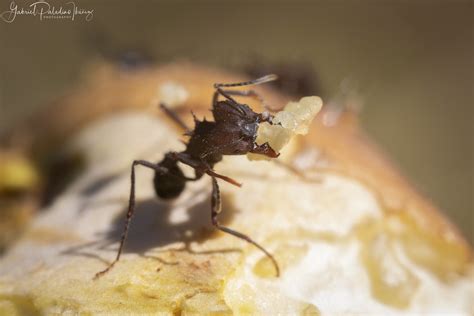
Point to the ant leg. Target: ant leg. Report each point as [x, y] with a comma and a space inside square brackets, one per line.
[264, 79]
[256, 95]
[264, 117]
[131, 210]
[214, 174]
[216, 209]
[226, 93]
[246, 93]
[172, 115]
[198, 165]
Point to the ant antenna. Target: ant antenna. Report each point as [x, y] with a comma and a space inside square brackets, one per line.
[264, 79]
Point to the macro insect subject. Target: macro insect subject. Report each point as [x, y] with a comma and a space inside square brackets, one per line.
[233, 132]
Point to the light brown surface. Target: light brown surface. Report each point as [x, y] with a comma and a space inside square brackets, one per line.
[355, 238]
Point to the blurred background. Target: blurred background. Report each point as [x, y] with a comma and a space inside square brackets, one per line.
[409, 62]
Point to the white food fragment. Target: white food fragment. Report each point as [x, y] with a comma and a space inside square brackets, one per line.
[172, 94]
[295, 119]
[277, 136]
[287, 120]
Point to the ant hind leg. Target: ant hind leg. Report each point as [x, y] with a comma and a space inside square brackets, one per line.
[216, 209]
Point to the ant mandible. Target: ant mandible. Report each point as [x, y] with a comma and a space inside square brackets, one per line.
[233, 132]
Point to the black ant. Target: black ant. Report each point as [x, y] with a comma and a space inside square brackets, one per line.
[233, 132]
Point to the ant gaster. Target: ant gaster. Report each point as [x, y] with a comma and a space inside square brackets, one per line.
[233, 132]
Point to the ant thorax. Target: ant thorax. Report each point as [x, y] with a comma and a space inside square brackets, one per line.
[233, 132]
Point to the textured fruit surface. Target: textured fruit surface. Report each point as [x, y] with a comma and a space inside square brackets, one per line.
[340, 250]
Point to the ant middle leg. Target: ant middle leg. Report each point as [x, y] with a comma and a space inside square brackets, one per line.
[131, 209]
[216, 209]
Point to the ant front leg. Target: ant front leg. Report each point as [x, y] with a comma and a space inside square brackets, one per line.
[242, 93]
[216, 209]
[247, 93]
[131, 209]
